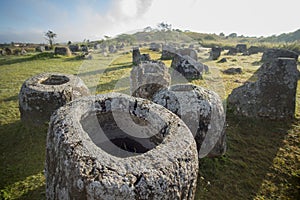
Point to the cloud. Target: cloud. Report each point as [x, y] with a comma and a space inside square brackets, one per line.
[92, 19]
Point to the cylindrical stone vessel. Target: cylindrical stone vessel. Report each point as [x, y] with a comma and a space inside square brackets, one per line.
[202, 111]
[115, 146]
[147, 78]
[42, 94]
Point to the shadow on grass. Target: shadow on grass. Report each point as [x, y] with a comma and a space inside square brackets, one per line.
[15, 59]
[39, 193]
[22, 152]
[108, 69]
[12, 98]
[112, 85]
[252, 146]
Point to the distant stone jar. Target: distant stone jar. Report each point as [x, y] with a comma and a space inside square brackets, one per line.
[187, 67]
[115, 146]
[42, 94]
[215, 53]
[64, 51]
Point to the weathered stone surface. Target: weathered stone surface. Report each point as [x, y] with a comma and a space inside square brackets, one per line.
[64, 51]
[215, 53]
[255, 50]
[187, 67]
[114, 146]
[84, 48]
[120, 46]
[241, 48]
[42, 94]
[233, 70]
[112, 49]
[74, 47]
[188, 52]
[206, 69]
[270, 54]
[223, 60]
[147, 78]
[23, 51]
[203, 113]
[8, 51]
[232, 51]
[155, 47]
[191, 46]
[97, 46]
[40, 49]
[168, 52]
[137, 57]
[272, 95]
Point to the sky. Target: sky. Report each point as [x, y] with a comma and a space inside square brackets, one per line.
[76, 20]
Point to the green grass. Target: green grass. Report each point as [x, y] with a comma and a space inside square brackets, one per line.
[263, 157]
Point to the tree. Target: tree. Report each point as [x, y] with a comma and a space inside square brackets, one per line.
[49, 36]
[164, 26]
[232, 35]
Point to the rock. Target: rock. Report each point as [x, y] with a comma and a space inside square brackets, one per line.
[255, 50]
[168, 52]
[187, 67]
[8, 51]
[215, 53]
[112, 49]
[147, 78]
[42, 94]
[23, 51]
[64, 51]
[74, 47]
[137, 57]
[40, 49]
[114, 146]
[88, 56]
[145, 57]
[241, 48]
[272, 95]
[202, 111]
[84, 48]
[17, 52]
[191, 46]
[97, 46]
[206, 69]
[270, 54]
[223, 60]
[233, 71]
[232, 51]
[155, 47]
[120, 47]
[188, 52]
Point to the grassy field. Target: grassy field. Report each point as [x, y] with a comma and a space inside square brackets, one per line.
[263, 157]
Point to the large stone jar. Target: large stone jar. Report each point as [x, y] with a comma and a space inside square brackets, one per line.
[114, 146]
[42, 94]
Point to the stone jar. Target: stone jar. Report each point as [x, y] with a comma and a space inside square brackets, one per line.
[115, 146]
[42, 94]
